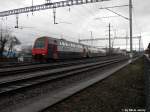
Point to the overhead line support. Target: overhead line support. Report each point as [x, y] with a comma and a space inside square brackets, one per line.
[114, 6]
[130, 24]
[117, 13]
[109, 39]
[96, 39]
[47, 6]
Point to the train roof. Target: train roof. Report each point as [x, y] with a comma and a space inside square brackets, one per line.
[62, 39]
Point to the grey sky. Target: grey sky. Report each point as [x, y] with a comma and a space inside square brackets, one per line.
[79, 21]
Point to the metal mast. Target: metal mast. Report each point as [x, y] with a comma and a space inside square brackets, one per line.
[130, 24]
[47, 6]
[109, 39]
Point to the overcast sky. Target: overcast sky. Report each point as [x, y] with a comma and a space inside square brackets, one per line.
[78, 21]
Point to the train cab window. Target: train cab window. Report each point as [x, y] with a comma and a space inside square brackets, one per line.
[40, 43]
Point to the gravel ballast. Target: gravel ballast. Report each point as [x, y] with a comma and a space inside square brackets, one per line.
[123, 91]
[19, 99]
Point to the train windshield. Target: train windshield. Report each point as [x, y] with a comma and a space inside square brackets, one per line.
[40, 43]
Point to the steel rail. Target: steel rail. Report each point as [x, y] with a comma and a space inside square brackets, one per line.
[33, 68]
[16, 64]
[42, 77]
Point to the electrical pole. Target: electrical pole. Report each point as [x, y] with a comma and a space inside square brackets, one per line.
[126, 40]
[91, 38]
[54, 15]
[17, 21]
[1, 32]
[139, 44]
[1, 55]
[109, 39]
[32, 7]
[130, 24]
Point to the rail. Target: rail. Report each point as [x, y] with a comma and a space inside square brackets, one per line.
[33, 79]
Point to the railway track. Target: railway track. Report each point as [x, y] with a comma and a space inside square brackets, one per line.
[32, 79]
[32, 88]
[4, 65]
[19, 64]
[18, 69]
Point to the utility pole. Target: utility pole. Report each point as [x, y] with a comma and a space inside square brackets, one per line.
[109, 39]
[91, 38]
[126, 40]
[115, 35]
[1, 41]
[17, 21]
[32, 7]
[139, 44]
[54, 15]
[1, 32]
[130, 24]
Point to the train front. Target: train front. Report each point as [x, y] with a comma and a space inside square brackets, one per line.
[40, 49]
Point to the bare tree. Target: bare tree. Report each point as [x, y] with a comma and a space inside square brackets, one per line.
[4, 38]
[13, 41]
[7, 41]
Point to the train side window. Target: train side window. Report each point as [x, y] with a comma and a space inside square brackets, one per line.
[65, 43]
[60, 43]
[76, 45]
[71, 44]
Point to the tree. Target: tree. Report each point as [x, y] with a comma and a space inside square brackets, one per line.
[12, 43]
[4, 37]
[7, 41]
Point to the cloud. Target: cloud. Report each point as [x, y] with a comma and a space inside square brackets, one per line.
[76, 20]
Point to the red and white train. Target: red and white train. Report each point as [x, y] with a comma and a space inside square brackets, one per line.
[48, 48]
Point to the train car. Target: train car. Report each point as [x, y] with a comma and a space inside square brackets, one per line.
[48, 48]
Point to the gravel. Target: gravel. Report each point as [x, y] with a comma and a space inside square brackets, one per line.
[123, 91]
[15, 100]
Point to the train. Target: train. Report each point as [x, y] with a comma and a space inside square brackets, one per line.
[49, 48]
